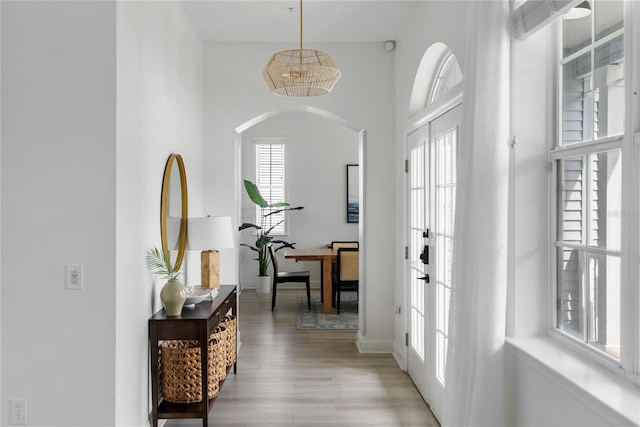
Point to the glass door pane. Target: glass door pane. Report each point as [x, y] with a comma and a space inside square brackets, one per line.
[445, 192]
[417, 191]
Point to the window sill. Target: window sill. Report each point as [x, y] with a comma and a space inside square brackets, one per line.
[592, 381]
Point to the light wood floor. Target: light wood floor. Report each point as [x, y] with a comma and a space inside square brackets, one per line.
[309, 378]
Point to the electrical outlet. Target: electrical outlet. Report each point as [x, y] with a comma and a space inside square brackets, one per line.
[18, 411]
[73, 277]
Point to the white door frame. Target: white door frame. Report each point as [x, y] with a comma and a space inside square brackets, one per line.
[450, 100]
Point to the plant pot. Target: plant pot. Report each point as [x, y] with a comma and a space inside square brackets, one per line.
[264, 285]
[173, 296]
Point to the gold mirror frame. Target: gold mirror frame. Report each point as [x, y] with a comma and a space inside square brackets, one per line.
[164, 207]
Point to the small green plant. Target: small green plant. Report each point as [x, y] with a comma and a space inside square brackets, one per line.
[161, 264]
[263, 239]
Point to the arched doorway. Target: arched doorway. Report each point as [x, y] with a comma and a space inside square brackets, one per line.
[300, 119]
[431, 135]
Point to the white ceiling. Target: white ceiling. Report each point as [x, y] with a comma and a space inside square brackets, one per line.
[323, 20]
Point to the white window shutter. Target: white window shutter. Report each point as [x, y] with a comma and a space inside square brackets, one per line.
[270, 179]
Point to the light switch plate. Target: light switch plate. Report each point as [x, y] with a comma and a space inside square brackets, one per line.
[74, 279]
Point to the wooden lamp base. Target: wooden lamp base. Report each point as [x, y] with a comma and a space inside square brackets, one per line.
[210, 269]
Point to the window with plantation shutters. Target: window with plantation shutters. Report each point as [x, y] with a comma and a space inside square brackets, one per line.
[270, 179]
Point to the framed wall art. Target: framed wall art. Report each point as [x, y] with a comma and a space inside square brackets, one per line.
[353, 193]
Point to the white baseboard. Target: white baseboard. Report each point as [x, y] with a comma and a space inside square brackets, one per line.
[374, 346]
[400, 354]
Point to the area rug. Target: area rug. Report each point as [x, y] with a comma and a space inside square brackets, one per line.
[317, 320]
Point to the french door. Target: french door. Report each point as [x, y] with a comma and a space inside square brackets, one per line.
[418, 186]
[431, 206]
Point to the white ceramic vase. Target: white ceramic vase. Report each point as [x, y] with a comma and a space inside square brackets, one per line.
[173, 295]
[264, 285]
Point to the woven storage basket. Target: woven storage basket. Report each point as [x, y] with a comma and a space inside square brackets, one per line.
[181, 372]
[230, 323]
[220, 334]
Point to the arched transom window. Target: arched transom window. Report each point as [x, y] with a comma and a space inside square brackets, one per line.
[449, 75]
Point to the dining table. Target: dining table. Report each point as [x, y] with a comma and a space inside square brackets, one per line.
[327, 256]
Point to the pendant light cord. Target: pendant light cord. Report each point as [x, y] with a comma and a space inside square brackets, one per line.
[300, 32]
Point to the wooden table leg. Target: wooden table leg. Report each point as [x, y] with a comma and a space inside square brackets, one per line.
[326, 284]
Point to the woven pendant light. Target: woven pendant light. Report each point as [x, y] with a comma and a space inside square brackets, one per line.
[301, 72]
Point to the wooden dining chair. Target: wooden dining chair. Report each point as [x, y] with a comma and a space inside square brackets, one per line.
[288, 277]
[347, 275]
[344, 244]
[335, 245]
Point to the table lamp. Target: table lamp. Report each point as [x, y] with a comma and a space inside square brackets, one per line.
[210, 234]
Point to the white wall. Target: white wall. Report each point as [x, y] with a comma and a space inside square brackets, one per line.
[534, 113]
[542, 401]
[236, 93]
[85, 137]
[317, 150]
[59, 192]
[159, 112]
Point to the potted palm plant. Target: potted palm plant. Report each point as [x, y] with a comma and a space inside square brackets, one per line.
[262, 232]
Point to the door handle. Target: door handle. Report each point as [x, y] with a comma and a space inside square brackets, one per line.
[424, 256]
[425, 278]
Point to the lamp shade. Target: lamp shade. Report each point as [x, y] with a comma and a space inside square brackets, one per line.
[580, 11]
[210, 232]
[301, 72]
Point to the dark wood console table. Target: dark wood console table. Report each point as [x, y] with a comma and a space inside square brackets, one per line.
[195, 323]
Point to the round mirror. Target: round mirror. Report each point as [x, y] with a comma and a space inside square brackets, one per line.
[173, 210]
